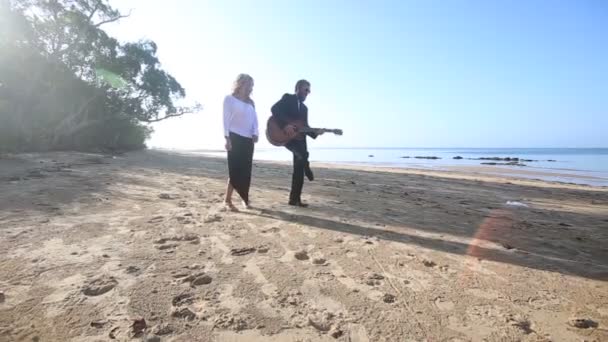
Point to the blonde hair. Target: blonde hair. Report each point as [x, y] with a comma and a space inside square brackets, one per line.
[240, 81]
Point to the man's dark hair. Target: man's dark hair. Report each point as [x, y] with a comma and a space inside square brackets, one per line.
[301, 83]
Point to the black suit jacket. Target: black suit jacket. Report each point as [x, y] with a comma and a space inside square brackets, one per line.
[286, 109]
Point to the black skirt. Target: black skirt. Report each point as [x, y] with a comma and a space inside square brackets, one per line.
[240, 162]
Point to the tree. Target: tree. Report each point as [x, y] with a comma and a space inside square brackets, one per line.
[66, 84]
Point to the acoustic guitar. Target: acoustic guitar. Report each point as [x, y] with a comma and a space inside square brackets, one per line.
[277, 136]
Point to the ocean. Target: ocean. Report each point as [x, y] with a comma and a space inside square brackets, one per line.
[570, 165]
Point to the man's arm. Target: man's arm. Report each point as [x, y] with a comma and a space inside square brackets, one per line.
[310, 134]
[279, 111]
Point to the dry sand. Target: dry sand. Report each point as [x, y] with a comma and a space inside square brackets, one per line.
[138, 247]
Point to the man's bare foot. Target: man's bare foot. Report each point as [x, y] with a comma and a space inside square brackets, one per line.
[298, 204]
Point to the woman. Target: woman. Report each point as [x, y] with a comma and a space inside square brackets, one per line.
[241, 133]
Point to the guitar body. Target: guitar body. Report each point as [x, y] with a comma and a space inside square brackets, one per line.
[278, 137]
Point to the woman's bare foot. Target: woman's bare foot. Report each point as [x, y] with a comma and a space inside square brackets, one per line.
[246, 205]
[230, 206]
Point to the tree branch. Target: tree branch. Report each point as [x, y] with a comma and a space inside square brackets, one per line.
[181, 112]
[111, 20]
[93, 12]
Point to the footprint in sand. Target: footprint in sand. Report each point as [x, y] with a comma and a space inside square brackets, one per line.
[184, 313]
[253, 269]
[132, 269]
[211, 218]
[355, 285]
[184, 219]
[301, 255]
[270, 230]
[162, 243]
[182, 299]
[179, 311]
[99, 286]
[196, 279]
[320, 261]
[156, 219]
[373, 279]
[429, 263]
[166, 246]
[389, 298]
[484, 293]
[242, 251]
[443, 304]
[218, 245]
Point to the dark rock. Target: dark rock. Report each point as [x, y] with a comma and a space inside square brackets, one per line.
[513, 163]
[457, 157]
[426, 157]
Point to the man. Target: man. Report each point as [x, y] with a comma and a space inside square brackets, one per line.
[291, 107]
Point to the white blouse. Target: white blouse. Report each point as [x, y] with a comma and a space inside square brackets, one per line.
[239, 117]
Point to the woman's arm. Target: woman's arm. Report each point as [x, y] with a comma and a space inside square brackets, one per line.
[227, 115]
[256, 132]
[227, 118]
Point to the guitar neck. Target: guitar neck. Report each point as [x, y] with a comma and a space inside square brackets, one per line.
[314, 130]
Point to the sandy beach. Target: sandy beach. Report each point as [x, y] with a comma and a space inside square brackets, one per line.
[139, 247]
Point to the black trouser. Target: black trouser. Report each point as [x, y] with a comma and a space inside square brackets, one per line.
[300, 163]
[240, 162]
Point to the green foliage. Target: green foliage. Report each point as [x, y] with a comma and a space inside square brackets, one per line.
[66, 84]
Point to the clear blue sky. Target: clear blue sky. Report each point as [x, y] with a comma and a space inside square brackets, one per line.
[391, 73]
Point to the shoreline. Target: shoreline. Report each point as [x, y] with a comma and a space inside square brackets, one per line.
[528, 175]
